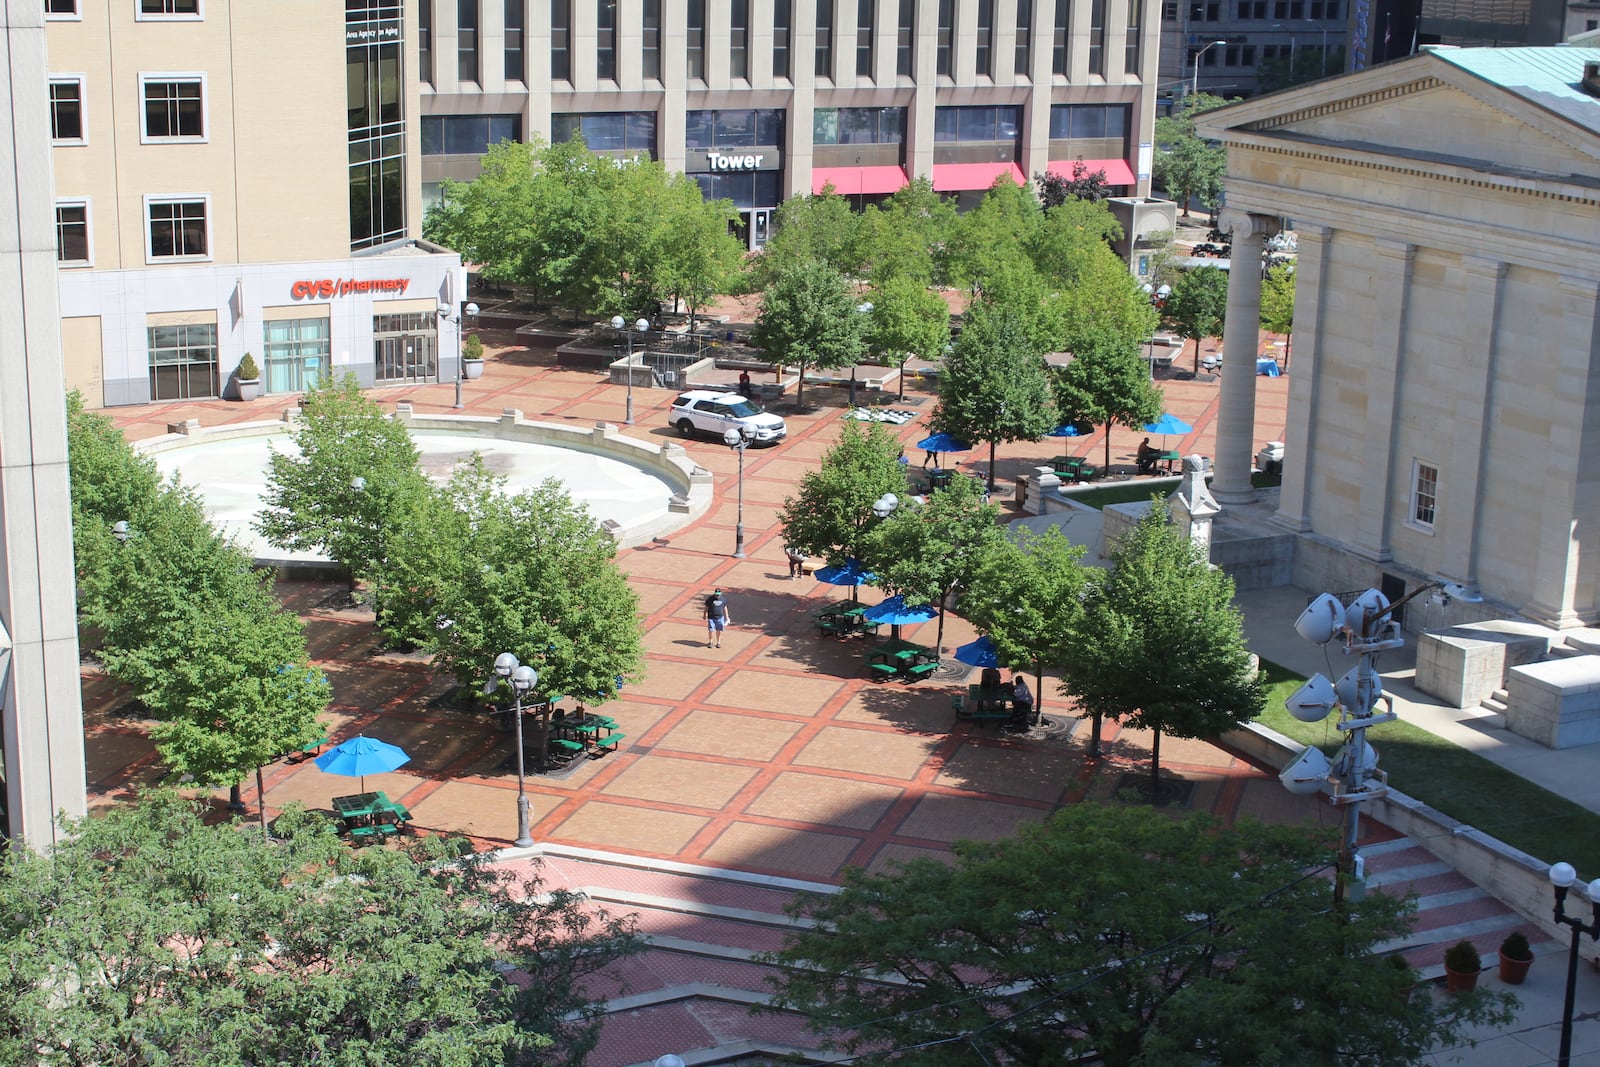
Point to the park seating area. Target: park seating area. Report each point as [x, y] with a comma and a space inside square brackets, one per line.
[366, 817]
[901, 660]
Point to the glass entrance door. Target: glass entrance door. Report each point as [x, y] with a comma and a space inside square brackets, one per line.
[405, 347]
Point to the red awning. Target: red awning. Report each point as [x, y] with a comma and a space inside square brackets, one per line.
[851, 181]
[955, 177]
[1117, 170]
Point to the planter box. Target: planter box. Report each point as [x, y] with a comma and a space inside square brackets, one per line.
[472, 369]
[249, 389]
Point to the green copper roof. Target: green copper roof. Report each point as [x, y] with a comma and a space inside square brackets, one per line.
[1547, 77]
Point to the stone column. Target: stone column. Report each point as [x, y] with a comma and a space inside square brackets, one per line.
[1240, 337]
[1310, 303]
[1392, 265]
[41, 708]
[1460, 492]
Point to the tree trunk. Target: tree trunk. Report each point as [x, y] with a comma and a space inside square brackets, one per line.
[902, 382]
[991, 465]
[1106, 470]
[1288, 339]
[261, 801]
[1155, 766]
[235, 801]
[1094, 735]
[800, 387]
[939, 639]
[1197, 355]
[1038, 688]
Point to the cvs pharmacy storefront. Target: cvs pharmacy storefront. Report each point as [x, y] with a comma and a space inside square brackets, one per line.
[178, 333]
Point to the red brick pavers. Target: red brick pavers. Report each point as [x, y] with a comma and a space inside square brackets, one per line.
[773, 754]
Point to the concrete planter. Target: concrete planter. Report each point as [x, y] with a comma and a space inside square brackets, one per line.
[472, 369]
[249, 389]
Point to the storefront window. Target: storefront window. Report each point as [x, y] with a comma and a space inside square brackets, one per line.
[296, 353]
[1001, 123]
[183, 361]
[631, 132]
[405, 347]
[734, 128]
[858, 125]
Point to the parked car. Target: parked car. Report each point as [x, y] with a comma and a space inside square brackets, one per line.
[715, 413]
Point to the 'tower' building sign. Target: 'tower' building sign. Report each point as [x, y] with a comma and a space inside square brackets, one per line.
[733, 160]
[330, 287]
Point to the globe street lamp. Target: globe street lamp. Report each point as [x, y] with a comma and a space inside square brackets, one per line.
[1562, 876]
[642, 326]
[738, 439]
[447, 313]
[885, 505]
[1194, 87]
[523, 678]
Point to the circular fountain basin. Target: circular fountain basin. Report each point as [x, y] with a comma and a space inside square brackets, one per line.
[634, 490]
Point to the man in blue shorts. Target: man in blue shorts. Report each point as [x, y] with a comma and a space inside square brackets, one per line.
[716, 619]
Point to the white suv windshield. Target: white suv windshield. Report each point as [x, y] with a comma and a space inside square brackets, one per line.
[743, 409]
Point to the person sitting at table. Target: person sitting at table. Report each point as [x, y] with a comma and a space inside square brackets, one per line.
[1148, 455]
[1021, 703]
[990, 688]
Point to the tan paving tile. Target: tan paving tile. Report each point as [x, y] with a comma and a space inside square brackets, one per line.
[750, 846]
[867, 752]
[368, 687]
[683, 782]
[653, 596]
[433, 746]
[734, 736]
[920, 708]
[632, 829]
[671, 679]
[892, 855]
[664, 563]
[1012, 772]
[775, 692]
[946, 818]
[805, 650]
[825, 801]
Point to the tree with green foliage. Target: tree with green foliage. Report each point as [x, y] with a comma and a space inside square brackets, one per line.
[819, 228]
[1103, 299]
[808, 319]
[831, 514]
[993, 386]
[470, 572]
[1107, 382]
[349, 475]
[927, 553]
[494, 219]
[1117, 935]
[1185, 165]
[1083, 184]
[1162, 647]
[692, 257]
[1198, 306]
[148, 936]
[1027, 596]
[1277, 305]
[1072, 238]
[908, 319]
[110, 483]
[899, 236]
[992, 236]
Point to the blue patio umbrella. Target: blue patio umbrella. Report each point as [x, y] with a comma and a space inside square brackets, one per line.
[895, 612]
[979, 653]
[942, 442]
[850, 573]
[1168, 423]
[1066, 429]
[361, 756]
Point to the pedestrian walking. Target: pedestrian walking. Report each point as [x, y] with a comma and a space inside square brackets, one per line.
[716, 619]
[797, 562]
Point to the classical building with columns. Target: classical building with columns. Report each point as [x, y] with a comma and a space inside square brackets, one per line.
[1444, 417]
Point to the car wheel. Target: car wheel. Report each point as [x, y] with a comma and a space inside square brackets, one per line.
[685, 428]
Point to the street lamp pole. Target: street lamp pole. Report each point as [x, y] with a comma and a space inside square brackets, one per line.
[863, 308]
[642, 326]
[1194, 86]
[523, 678]
[738, 440]
[1562, 876]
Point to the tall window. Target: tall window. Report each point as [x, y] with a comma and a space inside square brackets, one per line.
[627, 133]
[66, 110]
[176, 228]
[516, 16]
[468, 135]
[467, 40]
[1025, 35]
[858, 125]
[907, 34]
[782, 11]
[651, 45]
[425, 41]
[739, 39]
[72, 232]
[1424, 494]
[183, 361]
[605, 41]
[297, 352]
[1097, 37]
[985, 39]
[174, 109]
[561, 40]
[864, 38]
[1131, 65]
[174, 8]
[375, 101]
[1058, 47]
[695, 46]
[947, 29]
[824, 38]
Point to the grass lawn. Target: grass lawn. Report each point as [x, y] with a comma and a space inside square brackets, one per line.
[1455, 781]
[1132, 490]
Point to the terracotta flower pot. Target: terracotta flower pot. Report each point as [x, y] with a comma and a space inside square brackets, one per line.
[1512, 972]
[1460, 981]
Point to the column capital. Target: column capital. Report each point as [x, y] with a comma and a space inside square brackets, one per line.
[1246, 224]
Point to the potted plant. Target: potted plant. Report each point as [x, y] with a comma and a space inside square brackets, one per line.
[1398, 964]
[472, 357]
[248, 377]
[1515, 958]
[1461, 967]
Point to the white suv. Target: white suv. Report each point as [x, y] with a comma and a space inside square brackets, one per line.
[716, 413]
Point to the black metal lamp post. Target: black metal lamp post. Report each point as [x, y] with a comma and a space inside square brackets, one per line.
[738, 439]
[522, 678]
[642, 326]
[1562, 876]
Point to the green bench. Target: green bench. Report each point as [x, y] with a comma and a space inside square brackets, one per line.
[561, 744]
[609, 743]
[884, 670]
[919, 671]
